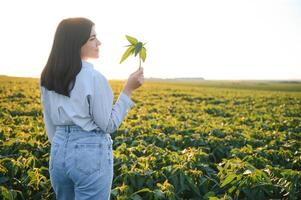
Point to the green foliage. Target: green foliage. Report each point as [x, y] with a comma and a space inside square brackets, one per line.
[180, 141]
[135, 48]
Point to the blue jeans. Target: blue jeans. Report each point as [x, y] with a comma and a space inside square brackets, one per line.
[81, 164]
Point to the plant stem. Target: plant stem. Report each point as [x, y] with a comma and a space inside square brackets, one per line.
[139, 63]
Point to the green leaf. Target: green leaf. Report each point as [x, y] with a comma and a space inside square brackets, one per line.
[182, 182]
[131, 39]
[136, 197]
[208, 195]
[213, 198]
[114, 192]
[143, 54]
[159, 194]
[229, 179]
[138, 48]
[8, 194]
[135, 194]
[193, 185]
[127, 53]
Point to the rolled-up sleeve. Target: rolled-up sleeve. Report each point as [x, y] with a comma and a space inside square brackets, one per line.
[107, 116]
[50, 127]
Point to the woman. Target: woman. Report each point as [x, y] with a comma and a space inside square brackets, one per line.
[79, 114]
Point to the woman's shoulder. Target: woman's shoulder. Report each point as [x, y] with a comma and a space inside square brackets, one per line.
[91, 75]
[99, 76]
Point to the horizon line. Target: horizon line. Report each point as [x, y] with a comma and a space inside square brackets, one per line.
[174, 78]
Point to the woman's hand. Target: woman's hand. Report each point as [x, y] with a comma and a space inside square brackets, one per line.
[134, 81]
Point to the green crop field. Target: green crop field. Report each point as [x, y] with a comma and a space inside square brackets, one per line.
[203, 140]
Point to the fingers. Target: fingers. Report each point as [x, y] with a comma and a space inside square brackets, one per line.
[141, 80]
[140, 75]
[138, 72]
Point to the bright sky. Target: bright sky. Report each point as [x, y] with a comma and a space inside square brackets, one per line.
[226, 39]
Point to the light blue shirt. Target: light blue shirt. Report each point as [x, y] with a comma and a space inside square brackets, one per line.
[89, 106]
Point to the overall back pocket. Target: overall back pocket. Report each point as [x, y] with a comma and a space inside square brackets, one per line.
[88, 157]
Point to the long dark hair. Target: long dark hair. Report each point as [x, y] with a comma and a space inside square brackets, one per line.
[64, 61]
